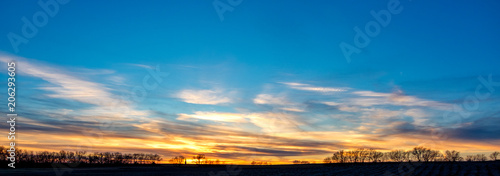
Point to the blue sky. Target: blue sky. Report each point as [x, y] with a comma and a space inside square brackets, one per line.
[272, 69]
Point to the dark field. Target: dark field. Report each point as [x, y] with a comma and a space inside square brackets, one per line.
[437, 168]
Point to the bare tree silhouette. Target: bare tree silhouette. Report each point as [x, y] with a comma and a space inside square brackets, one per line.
[469, 158]
[494, 155]
[327, 160]
[452, 156]
[300, 162]
[398, 155]
[178, 160]
[418, 152]
[260, 163]
[480, 157]
[3, 153]
[374, 156]
[362, 154]
[339, 156]
[430, 155]
[199, 158]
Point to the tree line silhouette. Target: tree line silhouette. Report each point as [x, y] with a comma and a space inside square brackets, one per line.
[197, 159]
[260, 163]
[361, 155]
[25, 156]
[419, 154]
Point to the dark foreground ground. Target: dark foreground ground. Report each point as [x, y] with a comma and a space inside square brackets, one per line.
[439, 168]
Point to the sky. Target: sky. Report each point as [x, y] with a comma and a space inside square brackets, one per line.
[246, 81]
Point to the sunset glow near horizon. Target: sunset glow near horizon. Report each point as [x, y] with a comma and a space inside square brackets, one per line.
[268, 82]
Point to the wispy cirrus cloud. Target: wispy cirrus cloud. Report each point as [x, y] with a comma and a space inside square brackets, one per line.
[117, 80]
[370, 98]
[142, 66]
[211, 97]
[213, 116]
[64, 85]
[307, 87]
[272, 122]
[279, 102]
[270, 99]
[378, 109]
